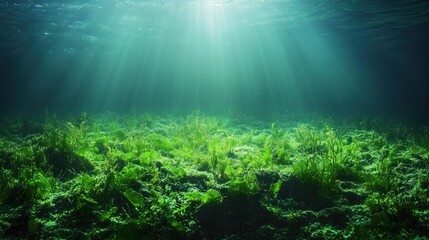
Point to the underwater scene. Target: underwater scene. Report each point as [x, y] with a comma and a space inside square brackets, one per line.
[214, 119]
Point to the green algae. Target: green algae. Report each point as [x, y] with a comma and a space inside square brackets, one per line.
[194, 177]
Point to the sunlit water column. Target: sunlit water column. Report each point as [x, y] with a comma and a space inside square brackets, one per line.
[198, 54]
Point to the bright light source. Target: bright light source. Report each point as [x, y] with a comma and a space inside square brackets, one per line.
[217, 2]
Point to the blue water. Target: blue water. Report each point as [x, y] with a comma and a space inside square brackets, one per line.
[251, 56]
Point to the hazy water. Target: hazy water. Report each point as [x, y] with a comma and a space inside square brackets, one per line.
[215, 55]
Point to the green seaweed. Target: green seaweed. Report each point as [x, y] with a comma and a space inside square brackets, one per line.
[212, 177]
[135, 198]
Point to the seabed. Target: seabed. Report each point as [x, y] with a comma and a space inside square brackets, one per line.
[198, 176]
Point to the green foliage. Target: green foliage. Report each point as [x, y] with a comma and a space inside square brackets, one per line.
[160, 143]
[275, 187]
[64, 137]
[161, 177]
[310, 141]
[105, 215]
[392, 212]
[135, 198]
[196, 130]
[319, 231]
[8, 183]
[131, 173]
[277, 147]
[211, 196]
[244, 186]
[40, 186]
[322, 157]
[382, 180]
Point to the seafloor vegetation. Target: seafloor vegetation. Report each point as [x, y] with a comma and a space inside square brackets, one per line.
[205, 177]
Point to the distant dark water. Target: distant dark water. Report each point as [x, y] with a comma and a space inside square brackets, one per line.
[256, 56]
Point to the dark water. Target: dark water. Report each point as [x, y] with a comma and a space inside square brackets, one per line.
[347, 57]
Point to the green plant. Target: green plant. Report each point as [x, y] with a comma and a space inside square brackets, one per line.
[247, 185]
[210, 196]
[310, 142]
[40, 186]
[275, 188]
[277, 147]
[199, 176]
[135, 198]
[321, 158]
